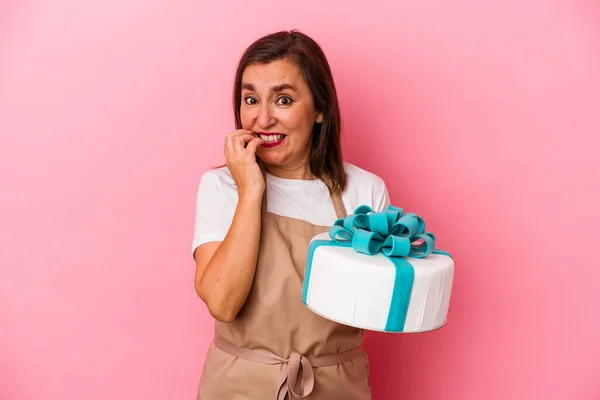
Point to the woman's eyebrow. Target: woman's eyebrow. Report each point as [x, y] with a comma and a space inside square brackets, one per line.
[249, 86]
[276, 88]
[282, 87]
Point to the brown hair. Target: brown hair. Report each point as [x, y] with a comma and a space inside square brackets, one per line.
[325, 160]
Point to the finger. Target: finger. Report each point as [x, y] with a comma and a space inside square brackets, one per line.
[232, 138]
[252, 146]
[229, 147]
[241, 141]
[234, 144]
[247, 138]
[240, 132]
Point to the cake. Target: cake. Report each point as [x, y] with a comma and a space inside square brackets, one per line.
[379, 271]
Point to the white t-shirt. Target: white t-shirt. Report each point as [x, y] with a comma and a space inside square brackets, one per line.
[307, 200]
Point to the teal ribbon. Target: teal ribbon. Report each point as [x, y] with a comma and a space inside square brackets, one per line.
[394, 234]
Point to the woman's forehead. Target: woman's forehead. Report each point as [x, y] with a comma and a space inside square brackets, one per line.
[272, 75]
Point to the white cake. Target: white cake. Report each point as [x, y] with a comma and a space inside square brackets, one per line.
[377, 292]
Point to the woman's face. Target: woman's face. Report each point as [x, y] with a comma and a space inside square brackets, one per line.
[277, 105]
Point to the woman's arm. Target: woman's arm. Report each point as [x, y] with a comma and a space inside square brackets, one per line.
[225, 270]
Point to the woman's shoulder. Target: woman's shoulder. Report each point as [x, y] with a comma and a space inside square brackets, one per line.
[364, 187]
[217, 177]
[217, 186]
[360, 179]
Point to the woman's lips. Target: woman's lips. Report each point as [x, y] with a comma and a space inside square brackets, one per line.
[271, 139]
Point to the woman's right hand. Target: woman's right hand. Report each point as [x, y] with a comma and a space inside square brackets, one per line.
[240, 157]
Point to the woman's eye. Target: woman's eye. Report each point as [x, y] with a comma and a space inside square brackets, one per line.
[284, 101]
[250, 100]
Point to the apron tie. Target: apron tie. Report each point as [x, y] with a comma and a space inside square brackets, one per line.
[297, 379]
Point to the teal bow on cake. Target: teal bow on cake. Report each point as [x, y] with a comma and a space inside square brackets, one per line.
[393, 234]
[389, 232]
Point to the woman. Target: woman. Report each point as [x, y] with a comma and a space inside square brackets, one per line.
[284, 182]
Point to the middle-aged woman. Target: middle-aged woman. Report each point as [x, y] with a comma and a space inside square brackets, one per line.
[284, 182]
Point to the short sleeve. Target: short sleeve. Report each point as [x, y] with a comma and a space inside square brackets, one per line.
[381, 197]
[214, 214]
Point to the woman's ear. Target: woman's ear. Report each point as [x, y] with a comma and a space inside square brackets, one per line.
[319, 119]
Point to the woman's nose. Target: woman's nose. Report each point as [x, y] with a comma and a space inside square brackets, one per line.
[265, 117]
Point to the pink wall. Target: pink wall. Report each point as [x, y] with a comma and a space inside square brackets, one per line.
[483, 117]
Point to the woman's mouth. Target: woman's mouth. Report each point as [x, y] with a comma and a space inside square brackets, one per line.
[271, 139]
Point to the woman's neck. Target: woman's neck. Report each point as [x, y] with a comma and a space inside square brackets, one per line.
[300, 171]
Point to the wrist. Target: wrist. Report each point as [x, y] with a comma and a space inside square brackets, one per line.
[252, 197]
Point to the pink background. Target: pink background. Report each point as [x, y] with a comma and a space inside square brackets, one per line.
[483, 117]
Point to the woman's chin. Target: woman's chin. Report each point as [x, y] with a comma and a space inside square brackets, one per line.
[270, 157]
[271, 162]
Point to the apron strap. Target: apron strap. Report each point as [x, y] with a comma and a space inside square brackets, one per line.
[338, 204]
[297, 379]
[263, 207]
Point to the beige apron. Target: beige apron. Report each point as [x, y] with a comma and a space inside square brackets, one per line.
[276, 348]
